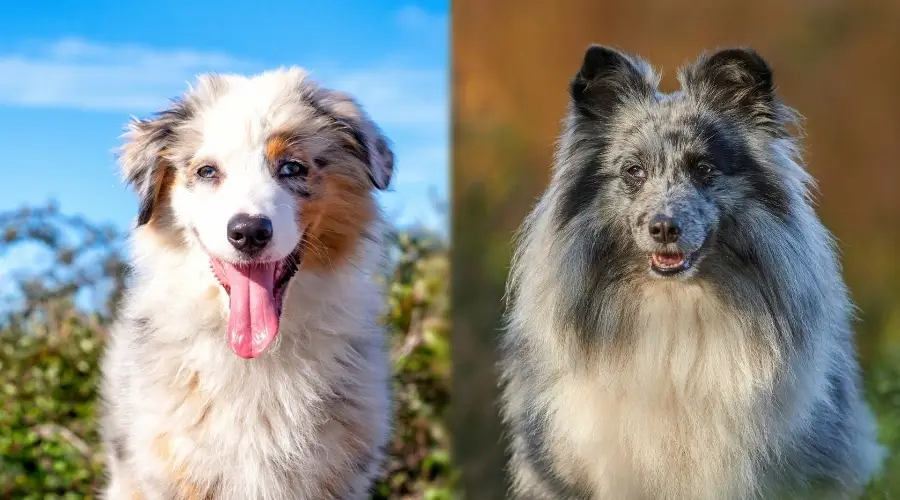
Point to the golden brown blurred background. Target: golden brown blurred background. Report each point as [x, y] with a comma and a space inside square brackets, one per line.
[836, 61]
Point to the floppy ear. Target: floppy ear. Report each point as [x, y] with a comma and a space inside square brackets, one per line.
[608, 78]
[373, 148]
[142, 157]
[381, 176]
[737, 81]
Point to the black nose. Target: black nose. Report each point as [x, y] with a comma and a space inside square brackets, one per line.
[664, 229]
[249, 233]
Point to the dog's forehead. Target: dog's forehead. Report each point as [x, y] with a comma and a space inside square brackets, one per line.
[669, 113]
[248, 110]
[668, 124]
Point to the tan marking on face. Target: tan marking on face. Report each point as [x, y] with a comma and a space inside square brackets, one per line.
[161, 191]
[194, 382]
[136, 495]
[278, 146]
[162, 225]
[283, 145]
[338, 212]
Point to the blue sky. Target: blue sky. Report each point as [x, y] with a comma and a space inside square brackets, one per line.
[72, 75]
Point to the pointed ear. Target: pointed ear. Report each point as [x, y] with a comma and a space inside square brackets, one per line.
[142, 157]
[371, 145]
[608, 78]
[737, 81]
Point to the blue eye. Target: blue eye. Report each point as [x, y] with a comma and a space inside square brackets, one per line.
[292, 168]
[207, 172]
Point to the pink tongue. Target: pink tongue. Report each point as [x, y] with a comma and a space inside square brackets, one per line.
[253, 320]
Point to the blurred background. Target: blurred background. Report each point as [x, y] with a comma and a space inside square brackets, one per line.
[71, 77]
[836, 61]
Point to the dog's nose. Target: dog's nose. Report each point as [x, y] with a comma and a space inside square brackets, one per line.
[664, 229]
[249, 233]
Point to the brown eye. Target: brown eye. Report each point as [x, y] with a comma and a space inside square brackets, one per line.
[704, 170]
[292, 168]
[636, 173]
[207, 172]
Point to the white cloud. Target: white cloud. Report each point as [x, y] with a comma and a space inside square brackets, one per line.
[405, 98]
[410, 103]
[84, 75]
[79, 74]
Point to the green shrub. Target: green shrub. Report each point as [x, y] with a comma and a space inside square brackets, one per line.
[49, 446]
[48, 429]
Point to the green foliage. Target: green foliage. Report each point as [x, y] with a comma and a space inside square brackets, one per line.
[48, 391]
[49, 445]
[884, 395]
[419, 464]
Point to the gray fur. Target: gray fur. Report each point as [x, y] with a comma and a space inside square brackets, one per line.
[744, 363]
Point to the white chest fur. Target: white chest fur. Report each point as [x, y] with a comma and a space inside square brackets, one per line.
[679, 412]
[306, 419]
[204, 411]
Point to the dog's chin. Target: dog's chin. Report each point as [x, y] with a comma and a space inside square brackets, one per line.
[256, 293]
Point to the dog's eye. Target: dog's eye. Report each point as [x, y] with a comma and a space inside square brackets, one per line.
[207, 171]
[704, 170]
[637, 173]
[292, 168]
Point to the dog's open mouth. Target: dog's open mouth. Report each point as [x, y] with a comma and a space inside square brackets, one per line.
[670, 263]
[256, 295]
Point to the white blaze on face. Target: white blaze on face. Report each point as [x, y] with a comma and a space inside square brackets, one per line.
[234, 132]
